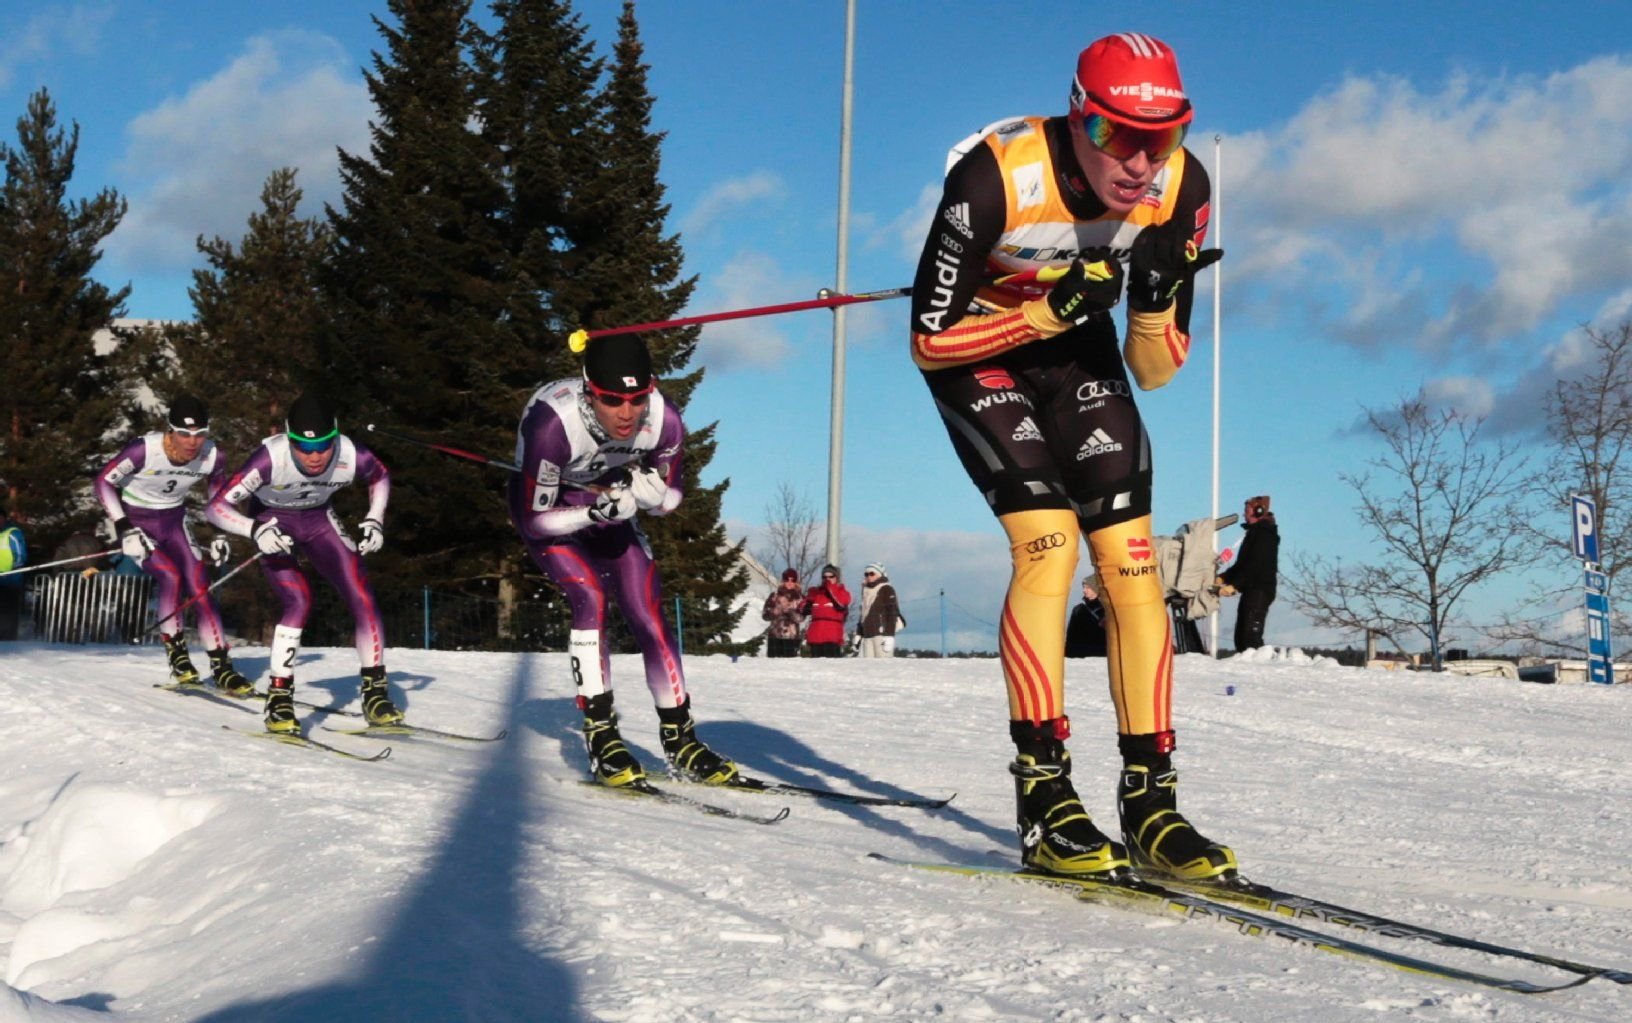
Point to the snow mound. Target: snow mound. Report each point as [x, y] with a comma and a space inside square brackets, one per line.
[92, 838]
[1284, 655]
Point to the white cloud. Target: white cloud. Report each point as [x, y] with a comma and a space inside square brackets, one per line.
[1469, 396]
[728, 197]
[1463, 215]
[74, 28]
[750, 279]
[905, 233]
[199, 160]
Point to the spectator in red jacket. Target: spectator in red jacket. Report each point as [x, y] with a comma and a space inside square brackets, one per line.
[827, 603]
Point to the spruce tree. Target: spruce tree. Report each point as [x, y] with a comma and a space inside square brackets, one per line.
[258, 317]
[536, 76]
[628, 270]
[422, 336]
[61, 399]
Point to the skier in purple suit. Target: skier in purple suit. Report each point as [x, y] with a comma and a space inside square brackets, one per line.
[592, 453]
[289, 484]
[144, 490]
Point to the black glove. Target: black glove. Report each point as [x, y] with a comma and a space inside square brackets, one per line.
[1092, 284]
[615, 505]
[1164, 259]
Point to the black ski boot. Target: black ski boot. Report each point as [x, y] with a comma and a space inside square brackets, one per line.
[688, 757]
[377, 706]
[227, 678]
[1162, 841]
[182, 672]
[280, 707]
[1056, 834]
[609, 759]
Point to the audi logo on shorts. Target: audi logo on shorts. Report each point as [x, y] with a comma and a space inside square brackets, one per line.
[993, 378]
[1050, 542]
[1102, 389]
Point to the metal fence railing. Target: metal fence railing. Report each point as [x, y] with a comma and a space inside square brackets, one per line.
[105, 607]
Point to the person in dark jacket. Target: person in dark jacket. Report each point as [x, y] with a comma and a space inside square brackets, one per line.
[1085, 632]
[782, 610]
[1253, 574]
[827, 603]
[880, 613]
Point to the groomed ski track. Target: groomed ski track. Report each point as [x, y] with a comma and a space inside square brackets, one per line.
[478, 881]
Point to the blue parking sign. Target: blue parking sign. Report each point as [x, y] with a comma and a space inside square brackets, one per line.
[1584, 538]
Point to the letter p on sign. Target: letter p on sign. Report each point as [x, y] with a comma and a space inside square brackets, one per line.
[1585, 539]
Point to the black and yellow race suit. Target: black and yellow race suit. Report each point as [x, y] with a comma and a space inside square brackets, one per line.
[1041, 412]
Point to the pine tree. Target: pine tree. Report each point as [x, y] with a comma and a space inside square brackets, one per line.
[423, 339]
[629, 270]
[253, 344]
[61, 398]
[536, 76]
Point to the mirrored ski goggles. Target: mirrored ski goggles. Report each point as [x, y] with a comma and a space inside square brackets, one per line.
[314, 445]
[613, 399]
[202, 431]
[1123, 142]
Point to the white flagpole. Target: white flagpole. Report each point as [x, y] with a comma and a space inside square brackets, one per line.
[1218, 363]
[835, 440]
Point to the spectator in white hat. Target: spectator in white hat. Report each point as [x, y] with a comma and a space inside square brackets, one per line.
[880, 613]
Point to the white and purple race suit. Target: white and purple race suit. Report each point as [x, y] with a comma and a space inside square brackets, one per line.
[565, 460]
[273, 488]
[143, 485]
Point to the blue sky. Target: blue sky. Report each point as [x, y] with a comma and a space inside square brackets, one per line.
[1422, 198]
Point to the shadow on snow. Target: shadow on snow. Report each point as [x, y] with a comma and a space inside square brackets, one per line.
[454, 950]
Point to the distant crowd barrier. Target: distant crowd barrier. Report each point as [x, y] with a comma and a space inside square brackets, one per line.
[105, 607]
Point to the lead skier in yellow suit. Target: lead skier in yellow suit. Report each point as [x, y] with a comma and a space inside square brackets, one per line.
[1011, 327]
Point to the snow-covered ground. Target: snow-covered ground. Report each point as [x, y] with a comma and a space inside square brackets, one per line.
[154, 866]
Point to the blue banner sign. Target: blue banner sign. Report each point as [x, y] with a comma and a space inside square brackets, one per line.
[1600, 667]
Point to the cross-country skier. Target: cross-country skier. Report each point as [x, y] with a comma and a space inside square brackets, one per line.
[144, 491]
[289, 484]
[1037, 402]
[593, 452]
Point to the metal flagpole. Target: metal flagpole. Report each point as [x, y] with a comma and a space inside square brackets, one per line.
[1218, 361]
[835, 440]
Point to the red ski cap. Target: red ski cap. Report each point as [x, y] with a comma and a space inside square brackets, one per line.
[1133, 79]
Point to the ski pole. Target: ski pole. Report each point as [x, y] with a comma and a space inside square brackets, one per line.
[207, 591]
[446, 449]
[469, 456]
[64, 561]
[824, 299]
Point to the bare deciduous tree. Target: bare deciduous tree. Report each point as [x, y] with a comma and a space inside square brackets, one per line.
[791, 534]
[1589, 430]
[1442, 507]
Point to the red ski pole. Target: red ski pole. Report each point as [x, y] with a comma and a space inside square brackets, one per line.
[824, 299]
[195, 598]
[446, 449]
